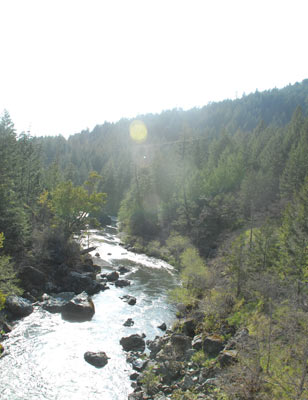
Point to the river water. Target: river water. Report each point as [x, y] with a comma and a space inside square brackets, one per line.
[45, 353]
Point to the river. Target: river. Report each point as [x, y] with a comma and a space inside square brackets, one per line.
[45, 353]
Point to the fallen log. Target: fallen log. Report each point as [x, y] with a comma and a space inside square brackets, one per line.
[88, 250]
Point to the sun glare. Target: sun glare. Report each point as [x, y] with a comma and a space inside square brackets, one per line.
[138, 131]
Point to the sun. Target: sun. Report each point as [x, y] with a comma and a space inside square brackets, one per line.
[138, 131]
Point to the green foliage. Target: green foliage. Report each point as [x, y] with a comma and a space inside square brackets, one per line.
[199, 358]
[293, 242]
[237, 266]
[2, 300]
[180, 394]
[8, 281]
[177, 244]
[14, 213]
[244, 314]
[276, 360]
[195, 278]
[72, 205]
[150, 380]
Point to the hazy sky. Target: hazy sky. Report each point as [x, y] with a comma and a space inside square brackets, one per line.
[71, 64]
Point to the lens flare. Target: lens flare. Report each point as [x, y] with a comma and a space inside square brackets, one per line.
[138, 131]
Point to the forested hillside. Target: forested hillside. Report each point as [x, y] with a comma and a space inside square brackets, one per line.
[199, 172]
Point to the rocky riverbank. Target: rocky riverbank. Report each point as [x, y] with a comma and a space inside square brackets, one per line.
[183, 364]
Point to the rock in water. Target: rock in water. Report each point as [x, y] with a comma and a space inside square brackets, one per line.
[122, 283]
[78, 283]
[79, 309]
[133, 343]
[131, 300]
[112, 276]
[99, 359]
[55, 304]
[128, 322]
[162, 327]
[123, 270]
[18, 306]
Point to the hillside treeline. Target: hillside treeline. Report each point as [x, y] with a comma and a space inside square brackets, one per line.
[199, 173]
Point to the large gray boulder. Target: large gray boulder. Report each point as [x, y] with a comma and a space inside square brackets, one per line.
[81, 282]
[133, 343]
[80, 308]
[98, 359]
[213, 345]
[177, 347]
[55, 303]
[18, 306]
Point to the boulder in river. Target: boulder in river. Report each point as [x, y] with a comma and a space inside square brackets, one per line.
[133, 342]
[80, 282]
[123, 270]
[122, 283]
[112, 276]
[55, 304]
[162, 327]
[18, 306]
[131, 300]
[128, 322]
[80, 308]
[98, 359]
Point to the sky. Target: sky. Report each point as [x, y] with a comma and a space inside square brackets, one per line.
[68, 65]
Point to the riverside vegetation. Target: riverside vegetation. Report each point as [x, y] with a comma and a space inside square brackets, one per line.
[220, 192]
